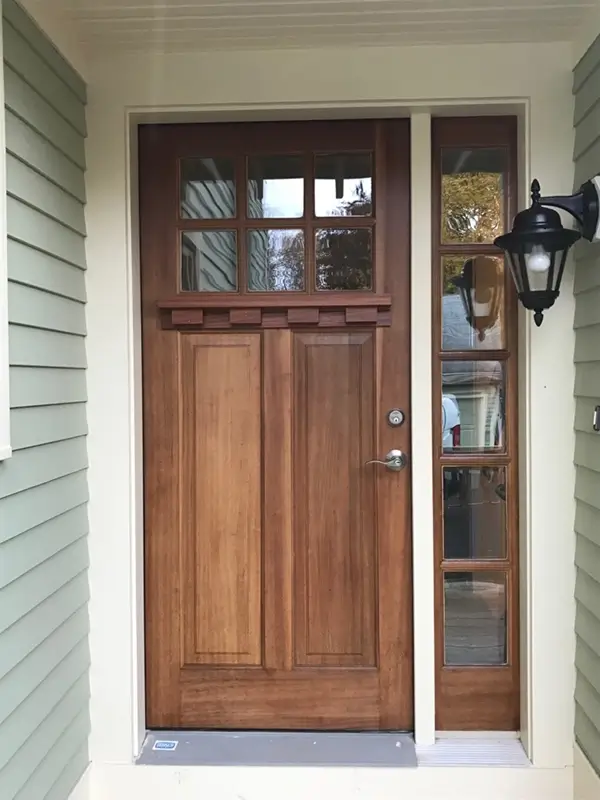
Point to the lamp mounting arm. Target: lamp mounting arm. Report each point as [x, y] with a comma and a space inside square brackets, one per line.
[584, 206]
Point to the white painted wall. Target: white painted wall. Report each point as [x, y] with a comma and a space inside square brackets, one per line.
[322, 83]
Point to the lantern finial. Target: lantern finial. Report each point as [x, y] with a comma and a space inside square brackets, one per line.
[538, 318]
[535, 191]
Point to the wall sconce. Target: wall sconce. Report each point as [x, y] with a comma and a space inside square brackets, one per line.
[479, 284]
[537, 245]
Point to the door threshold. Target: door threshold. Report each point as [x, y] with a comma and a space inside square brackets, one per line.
[278, 749]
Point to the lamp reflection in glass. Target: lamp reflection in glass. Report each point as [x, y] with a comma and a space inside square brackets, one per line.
[480, 287]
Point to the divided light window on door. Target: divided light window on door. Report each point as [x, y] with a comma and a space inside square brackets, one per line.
[475, 415]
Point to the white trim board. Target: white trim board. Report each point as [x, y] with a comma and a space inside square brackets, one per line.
[5, 447]
[459, 80]
[586, 780]
[123, 782]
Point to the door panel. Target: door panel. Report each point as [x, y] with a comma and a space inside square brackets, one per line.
[219, 387]
[335, 530]
[278, 590]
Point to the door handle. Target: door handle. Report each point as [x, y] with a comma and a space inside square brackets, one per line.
[395, 461]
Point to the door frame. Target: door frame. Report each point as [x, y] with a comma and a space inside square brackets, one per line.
[115, 424]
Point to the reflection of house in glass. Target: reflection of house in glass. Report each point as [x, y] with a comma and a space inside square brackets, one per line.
[476, 386]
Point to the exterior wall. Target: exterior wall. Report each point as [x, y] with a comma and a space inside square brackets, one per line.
[326, 83]
[44, 657]
[587, 447]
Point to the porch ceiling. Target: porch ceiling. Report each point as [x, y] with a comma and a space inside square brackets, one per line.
[177, 25]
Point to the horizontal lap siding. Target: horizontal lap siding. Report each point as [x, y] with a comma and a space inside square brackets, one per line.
[587, 446]
[44, 657]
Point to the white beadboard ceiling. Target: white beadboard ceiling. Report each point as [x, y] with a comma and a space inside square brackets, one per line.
[244, 24]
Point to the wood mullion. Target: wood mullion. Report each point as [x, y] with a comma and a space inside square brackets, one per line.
[468, 249]
[242, 214]
[475, 565]
[310, 261]
[473, 355]
[474, 460]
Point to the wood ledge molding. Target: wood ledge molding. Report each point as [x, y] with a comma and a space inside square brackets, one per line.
[274, 311]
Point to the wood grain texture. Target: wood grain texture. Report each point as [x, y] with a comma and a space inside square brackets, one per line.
[220, 477]
[477, 697]
[335, 527]
[278, 588]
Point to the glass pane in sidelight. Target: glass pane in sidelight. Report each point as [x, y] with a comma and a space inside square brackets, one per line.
[474, 512]
[475, 626]
[473, 406]
[275, 260]
[344, 259]
[344, 185]
[473, 303]
[275, 187]
[207, 188]
[208, 261]
[473, 187]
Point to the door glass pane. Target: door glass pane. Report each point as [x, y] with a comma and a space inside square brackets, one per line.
[473, 303]
[344, 259]
[207, 188]
[208, 261]
[473, 406]
[473, 194]
[475, 618]
[275, 187]
[474, 512]
[343, 185]
[275, 260]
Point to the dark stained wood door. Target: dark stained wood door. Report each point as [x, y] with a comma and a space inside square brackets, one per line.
[275, 295]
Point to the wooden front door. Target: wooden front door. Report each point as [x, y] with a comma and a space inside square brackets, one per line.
[275, 295]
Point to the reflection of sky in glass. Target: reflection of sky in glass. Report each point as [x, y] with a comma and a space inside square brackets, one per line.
[327, 204]
[285, 198]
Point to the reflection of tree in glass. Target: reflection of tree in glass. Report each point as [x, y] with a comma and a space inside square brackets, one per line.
[472, 207]
[285, 257]
[452, 268]
[343, 255]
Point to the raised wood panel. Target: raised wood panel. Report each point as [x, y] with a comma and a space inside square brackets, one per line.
[220, 430]
[334, 492]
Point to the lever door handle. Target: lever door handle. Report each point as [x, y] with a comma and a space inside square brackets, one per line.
[395, 461]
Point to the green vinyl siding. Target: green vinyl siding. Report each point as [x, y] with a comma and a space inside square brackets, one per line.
[44, 657]
[587, 442]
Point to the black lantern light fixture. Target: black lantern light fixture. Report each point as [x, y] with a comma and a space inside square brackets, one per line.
[480, 287]
[537, 245]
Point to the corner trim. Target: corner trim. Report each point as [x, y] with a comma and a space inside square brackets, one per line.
[586, 781]
[5, 448]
